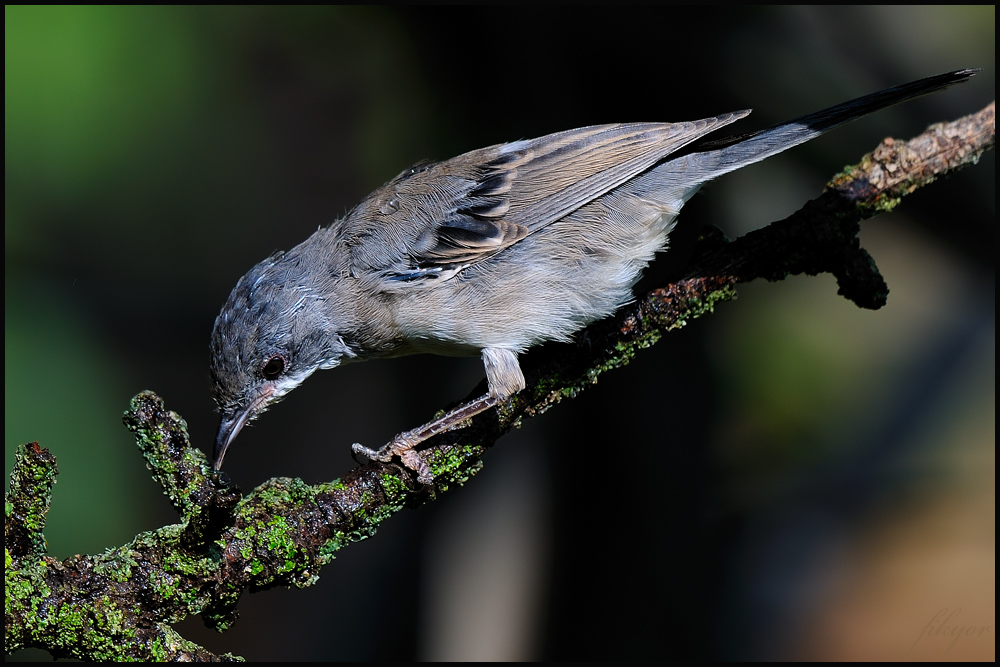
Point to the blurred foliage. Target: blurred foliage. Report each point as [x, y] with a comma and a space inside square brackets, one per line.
[89, 88]
[59, 392]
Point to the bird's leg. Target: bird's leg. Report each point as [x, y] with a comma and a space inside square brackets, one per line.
[404, 444]
[503, 373]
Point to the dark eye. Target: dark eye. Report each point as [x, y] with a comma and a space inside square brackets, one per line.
[274, 367]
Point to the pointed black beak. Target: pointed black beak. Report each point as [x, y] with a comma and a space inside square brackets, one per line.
[234, 421]
[228, 430]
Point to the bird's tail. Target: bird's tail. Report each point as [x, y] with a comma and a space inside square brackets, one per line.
[720, 156]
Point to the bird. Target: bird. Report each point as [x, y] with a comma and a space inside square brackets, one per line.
[489, 253]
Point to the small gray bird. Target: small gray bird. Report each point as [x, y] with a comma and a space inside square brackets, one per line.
[488, 253]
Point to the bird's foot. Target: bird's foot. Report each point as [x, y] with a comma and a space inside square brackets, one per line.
[404, 446]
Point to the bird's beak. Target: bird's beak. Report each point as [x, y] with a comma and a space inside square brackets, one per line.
[233, 423]
[228, 430]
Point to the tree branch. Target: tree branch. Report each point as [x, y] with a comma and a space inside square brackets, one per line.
[121, 604]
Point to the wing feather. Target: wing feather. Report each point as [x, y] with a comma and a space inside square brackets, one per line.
[435, 219]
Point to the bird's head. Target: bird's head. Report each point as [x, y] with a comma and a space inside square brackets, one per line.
[273, 332]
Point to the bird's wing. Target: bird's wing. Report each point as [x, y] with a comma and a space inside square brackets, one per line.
[435, 219]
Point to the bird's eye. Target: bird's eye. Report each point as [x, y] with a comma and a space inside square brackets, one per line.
[274, 367]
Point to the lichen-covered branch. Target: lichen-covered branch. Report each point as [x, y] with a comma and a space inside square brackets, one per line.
[121, 604]
[28, 502]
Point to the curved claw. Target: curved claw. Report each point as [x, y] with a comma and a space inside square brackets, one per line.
[404, 445]
[373, 454]
[405, 450]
